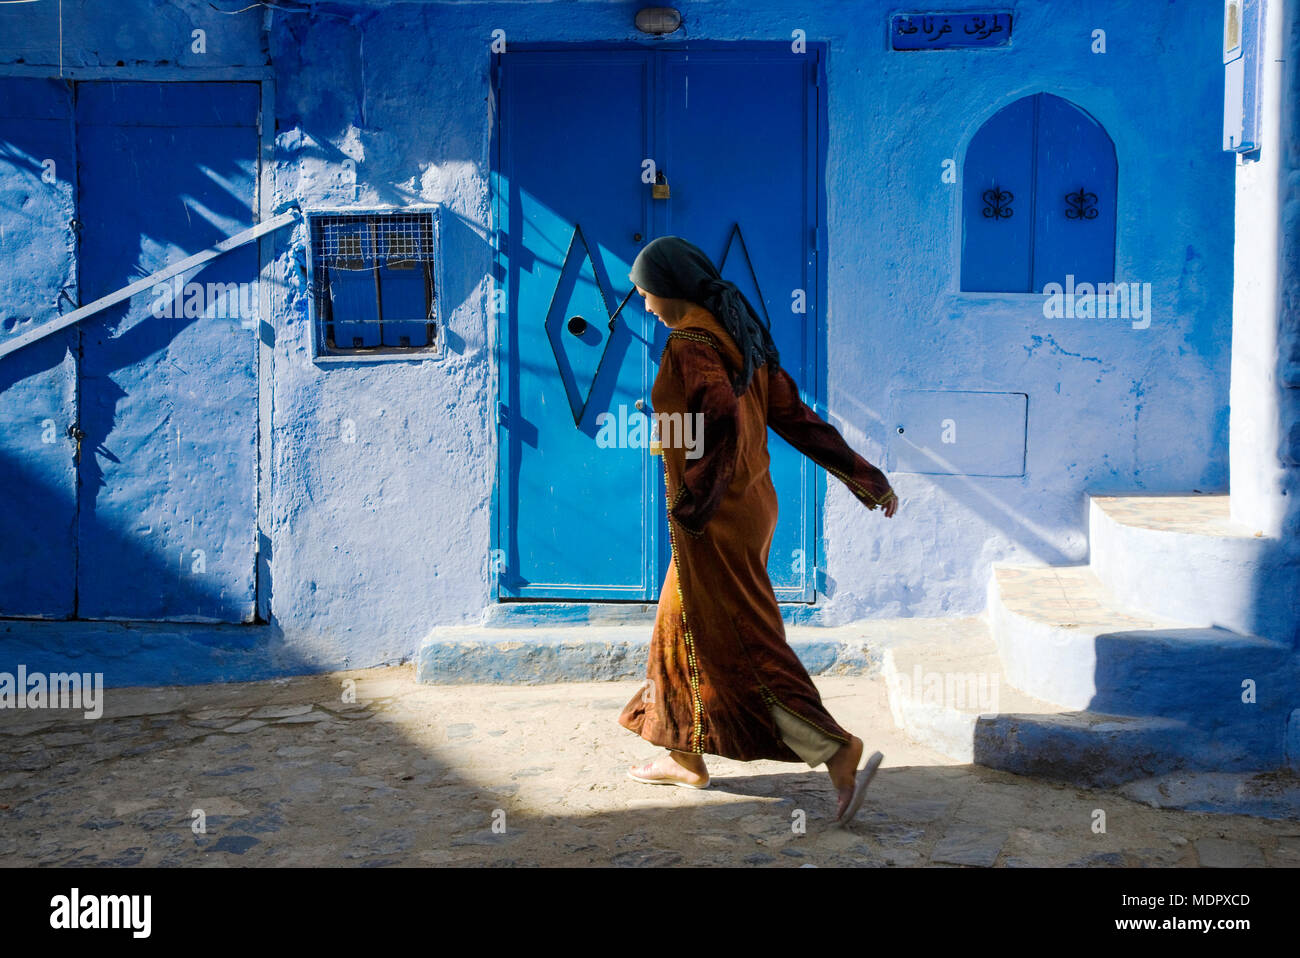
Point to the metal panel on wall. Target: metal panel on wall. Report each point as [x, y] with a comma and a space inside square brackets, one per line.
[958, 432]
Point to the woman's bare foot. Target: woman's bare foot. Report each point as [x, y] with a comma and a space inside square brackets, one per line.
[843, 769]
[685, 767]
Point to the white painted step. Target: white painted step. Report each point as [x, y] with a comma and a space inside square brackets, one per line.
[939, 688]
[967, 710]
[1061, 638]
[1183, 557]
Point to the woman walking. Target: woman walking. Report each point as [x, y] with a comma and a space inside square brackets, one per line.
[721, 679]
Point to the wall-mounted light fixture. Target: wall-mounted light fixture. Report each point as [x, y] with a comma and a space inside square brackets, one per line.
[658, 20]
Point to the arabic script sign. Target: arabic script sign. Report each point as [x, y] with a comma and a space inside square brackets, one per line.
[937, 31]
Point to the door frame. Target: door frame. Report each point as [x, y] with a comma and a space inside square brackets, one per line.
[270, 296]
[817, 131]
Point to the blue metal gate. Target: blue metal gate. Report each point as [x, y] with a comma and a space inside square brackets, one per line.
[154, 401]
[578, 519]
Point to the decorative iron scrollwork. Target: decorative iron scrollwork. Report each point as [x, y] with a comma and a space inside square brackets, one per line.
[997, 204]
[1083, 205]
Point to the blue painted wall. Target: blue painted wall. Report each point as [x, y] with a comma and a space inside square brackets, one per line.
[370, 543]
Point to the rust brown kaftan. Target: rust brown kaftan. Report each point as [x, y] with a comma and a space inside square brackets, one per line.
[719, 659]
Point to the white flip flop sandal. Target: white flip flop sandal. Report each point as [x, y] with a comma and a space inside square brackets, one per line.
[865, 775]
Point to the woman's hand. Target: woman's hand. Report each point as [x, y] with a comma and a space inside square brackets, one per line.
[887, 503]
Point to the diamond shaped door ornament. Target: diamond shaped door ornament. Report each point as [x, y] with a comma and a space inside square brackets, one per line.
[747, 279]
[580, 324]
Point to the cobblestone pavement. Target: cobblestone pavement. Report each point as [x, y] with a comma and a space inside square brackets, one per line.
[290, 773]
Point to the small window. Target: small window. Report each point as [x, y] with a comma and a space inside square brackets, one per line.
[1038, 199]
[372, 283]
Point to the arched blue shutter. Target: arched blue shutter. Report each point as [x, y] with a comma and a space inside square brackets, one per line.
[1038, 199]
[998, 204]
[1074, 223]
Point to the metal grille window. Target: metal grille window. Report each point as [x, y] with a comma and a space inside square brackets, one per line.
[372, 282]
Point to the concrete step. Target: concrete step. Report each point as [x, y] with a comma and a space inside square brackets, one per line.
[1062, 638]
[938, 688]
[954, 697]
[568, 652]
[1185, 558]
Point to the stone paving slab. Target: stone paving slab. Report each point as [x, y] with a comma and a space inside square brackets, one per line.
[288, 772]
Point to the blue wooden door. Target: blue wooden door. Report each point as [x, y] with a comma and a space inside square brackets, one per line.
[168, 380]
[576, 516]
[579, 519]
[738, 166]
[38, 384]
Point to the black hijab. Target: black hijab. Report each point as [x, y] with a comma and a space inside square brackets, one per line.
[675, 269]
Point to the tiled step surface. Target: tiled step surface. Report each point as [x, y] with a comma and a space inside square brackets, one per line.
[1203, 515]
[1185, 558]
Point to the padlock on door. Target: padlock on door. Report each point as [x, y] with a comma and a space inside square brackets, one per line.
[659, 189]
[656, 447]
